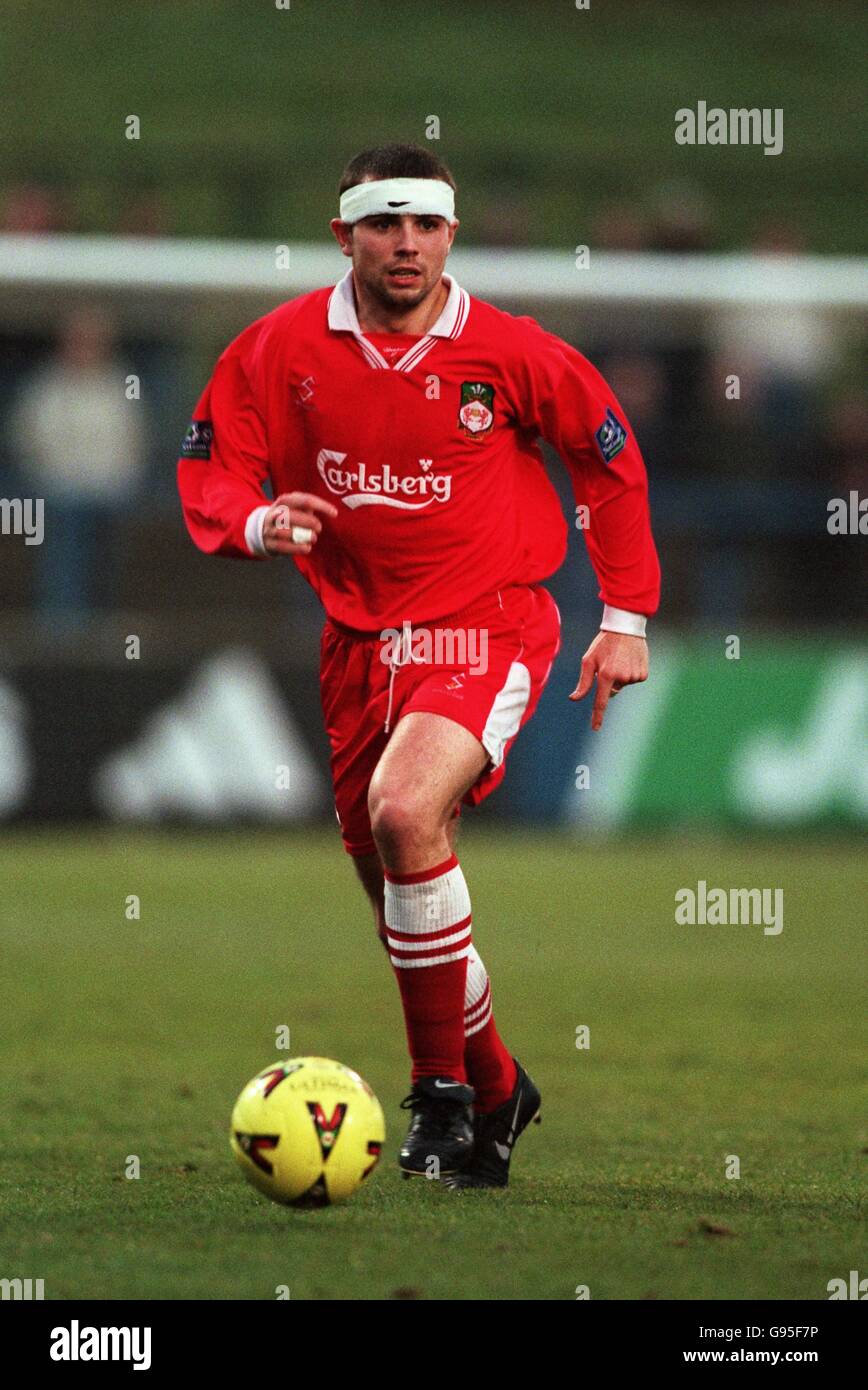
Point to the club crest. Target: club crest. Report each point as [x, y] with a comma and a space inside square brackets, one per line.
[476, 411]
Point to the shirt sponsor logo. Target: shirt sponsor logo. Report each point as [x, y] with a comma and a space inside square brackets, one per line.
[357, 487]
[476, 412]
[198, 440]
[611, 437]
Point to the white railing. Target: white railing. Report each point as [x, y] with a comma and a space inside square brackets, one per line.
[183, 267]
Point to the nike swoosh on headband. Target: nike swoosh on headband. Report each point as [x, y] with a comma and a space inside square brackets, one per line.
[427, 197]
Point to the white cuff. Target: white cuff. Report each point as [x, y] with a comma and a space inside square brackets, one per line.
[619, 620]
[253, 531]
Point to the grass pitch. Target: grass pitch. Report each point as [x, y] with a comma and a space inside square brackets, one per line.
[133, 1037]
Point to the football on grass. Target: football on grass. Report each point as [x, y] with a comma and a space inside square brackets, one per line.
[307, 1131]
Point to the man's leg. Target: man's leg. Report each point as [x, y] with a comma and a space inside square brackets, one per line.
[369, 868]
[428, 765]
[489, 1066]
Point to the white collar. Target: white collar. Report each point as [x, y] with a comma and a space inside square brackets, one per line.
[342, 314]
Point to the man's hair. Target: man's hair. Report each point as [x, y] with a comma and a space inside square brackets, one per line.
[394, 162]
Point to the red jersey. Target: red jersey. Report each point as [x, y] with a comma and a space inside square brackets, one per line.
[428, 447]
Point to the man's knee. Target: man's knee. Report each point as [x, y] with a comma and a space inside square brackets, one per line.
[400, 816]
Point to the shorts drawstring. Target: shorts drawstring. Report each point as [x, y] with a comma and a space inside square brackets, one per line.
[405, 655]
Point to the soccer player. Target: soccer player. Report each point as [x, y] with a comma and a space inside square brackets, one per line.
[396, 418]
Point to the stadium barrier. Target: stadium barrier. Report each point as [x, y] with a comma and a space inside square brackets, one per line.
[231, 736]
[164, 271]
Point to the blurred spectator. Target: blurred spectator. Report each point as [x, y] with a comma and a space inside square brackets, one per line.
[503, 221]
[145, 214]
[782, 355]
[777, 237]
[639, 382]
[681, 218]
[79, 442]
[22, 351]
[33, 208]
[620, 227]
[847, 434]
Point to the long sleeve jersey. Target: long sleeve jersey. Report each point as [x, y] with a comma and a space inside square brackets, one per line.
[428, 446]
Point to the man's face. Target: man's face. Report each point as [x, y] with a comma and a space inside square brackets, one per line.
[399, 259]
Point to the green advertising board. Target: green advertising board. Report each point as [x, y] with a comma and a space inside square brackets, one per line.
[750, 733]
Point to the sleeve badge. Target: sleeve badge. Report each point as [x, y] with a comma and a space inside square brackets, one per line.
[198, 440]
[611, 437]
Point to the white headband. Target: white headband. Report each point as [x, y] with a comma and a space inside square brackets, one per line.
[397, 196]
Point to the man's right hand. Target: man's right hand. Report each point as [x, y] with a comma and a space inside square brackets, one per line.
[294, 509]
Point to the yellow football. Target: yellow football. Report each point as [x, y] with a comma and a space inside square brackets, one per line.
[307, 1131]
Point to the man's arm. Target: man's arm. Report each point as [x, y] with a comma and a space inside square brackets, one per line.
[574, 409]
[224, 463]
[290, 525]
[616, 660]
[224, 457]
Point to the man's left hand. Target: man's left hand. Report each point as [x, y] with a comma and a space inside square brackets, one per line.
[616, 659]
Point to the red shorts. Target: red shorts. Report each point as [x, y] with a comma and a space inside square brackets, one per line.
[485, 668]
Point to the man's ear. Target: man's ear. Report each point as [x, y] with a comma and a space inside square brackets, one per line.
[343, 234]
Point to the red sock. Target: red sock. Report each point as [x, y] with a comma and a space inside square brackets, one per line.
[428, 936]
[490, 1067]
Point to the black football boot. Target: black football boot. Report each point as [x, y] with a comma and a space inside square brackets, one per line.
[440, 1139]
[495, 1135]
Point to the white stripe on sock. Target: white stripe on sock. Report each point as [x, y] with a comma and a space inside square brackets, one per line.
[434, 960]
[437, 909]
